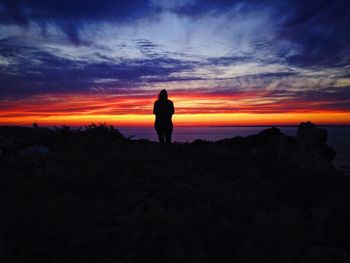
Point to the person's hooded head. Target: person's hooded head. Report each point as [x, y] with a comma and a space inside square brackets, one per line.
[163, 95]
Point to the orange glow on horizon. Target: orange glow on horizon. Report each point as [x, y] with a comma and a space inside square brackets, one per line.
[195, 109]
[233, 119]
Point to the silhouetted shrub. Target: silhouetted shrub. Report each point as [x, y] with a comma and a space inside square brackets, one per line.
[103, 130]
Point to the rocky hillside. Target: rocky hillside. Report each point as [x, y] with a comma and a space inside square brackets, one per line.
[93, 195]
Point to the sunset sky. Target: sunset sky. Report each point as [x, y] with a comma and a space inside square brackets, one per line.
[223, 62]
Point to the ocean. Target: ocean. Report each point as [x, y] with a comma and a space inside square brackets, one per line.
[338, 136]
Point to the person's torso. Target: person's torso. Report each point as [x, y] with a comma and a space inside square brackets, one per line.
[164, 109]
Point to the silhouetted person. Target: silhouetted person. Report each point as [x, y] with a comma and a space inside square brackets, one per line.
[163, 109]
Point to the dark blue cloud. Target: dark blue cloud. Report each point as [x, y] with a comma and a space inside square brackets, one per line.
[70, 15]
[34, 71]
[226, 61]
[320, 28]
[147, 48]
[329, 99]
[20, 10]
[205, 7]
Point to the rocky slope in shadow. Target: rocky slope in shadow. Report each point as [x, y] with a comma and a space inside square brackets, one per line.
[95, 196]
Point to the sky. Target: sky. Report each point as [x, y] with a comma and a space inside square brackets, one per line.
[222, 62]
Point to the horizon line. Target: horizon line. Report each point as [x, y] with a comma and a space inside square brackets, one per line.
[179, 126]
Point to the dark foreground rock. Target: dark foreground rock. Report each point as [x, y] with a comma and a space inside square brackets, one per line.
[95, 196]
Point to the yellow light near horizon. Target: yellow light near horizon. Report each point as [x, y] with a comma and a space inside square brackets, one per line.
[210, 119]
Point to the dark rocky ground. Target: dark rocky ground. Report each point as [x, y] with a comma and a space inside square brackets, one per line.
[95, 196]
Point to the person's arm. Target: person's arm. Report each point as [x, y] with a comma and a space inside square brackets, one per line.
[155, 108]
[172, 108]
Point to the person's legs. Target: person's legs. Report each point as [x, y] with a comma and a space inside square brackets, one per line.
[160, 132]
[168, 132]
[160, 137]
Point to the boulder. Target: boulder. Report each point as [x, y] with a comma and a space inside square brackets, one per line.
[315, 138]
[310, 134]
[274, 140]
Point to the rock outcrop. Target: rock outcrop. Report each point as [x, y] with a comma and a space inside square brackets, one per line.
[309, 134]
